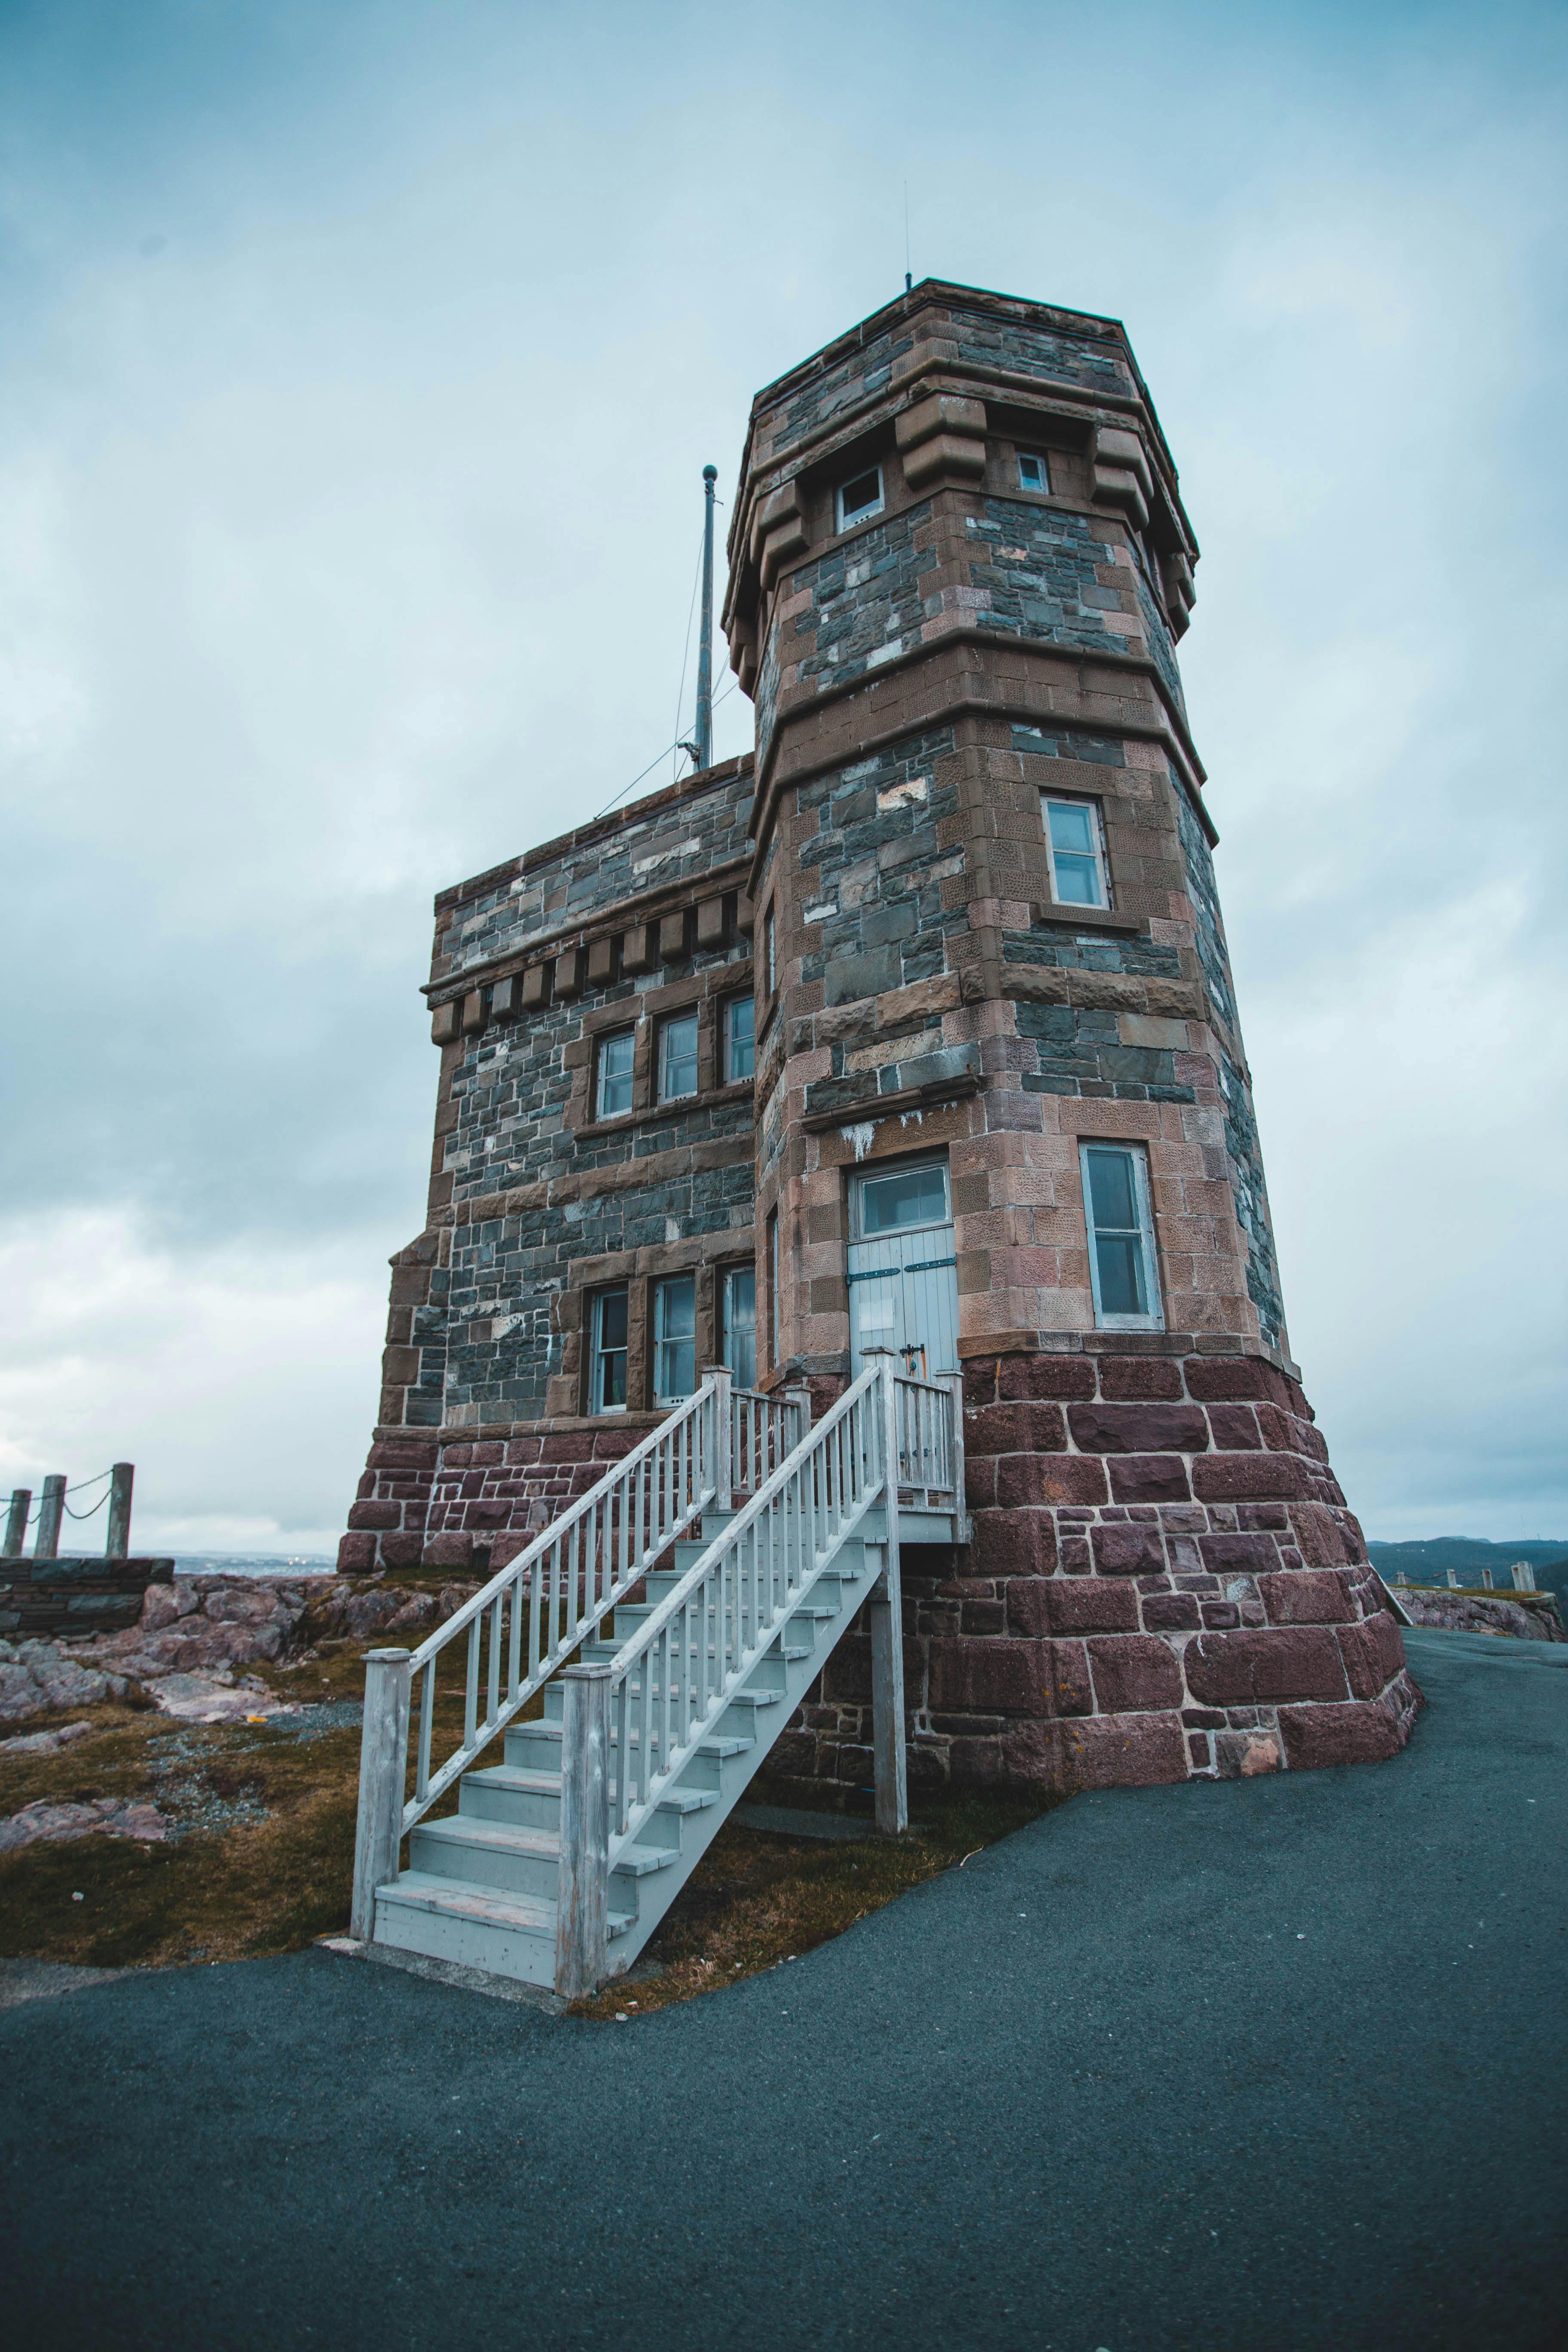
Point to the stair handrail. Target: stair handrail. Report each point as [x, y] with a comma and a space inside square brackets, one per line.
[564, 1582]
[832, 1479]
[763, 1430]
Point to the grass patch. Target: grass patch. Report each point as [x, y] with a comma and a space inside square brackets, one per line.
[759, 1897]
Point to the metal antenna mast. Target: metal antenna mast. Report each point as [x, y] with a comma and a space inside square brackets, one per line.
[705, 642]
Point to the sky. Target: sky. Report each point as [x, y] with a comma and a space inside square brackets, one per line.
[361, 366]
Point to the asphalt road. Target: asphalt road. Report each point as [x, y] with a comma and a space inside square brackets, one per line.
[1276, 2062]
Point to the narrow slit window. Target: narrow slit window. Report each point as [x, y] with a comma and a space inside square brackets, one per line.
[740, 1305]
[1077, 845]
[1123, 1267]
[674, 1339]
[607, 1358]
[678, 1058]
[774, 1289]
[861, 499]
[614, 1086]
[770, 958]
[1034, 470]
[740, 1039]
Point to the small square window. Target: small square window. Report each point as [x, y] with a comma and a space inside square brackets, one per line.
[1034, 470]
[1078, 854]
[677, 1057]
[859, 499]
[740, 1039]
[739, 1303]
[674, 1338]
[1124, 1272]
[613, 1093]
[608, 1356]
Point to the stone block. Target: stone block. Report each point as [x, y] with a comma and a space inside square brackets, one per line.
[1015, 1543]
[1301, 1662]
[1066, 1605]
[1149, 1478]
[601, 962]
[1306, 1596]
[1021, 1428]
[1234, 1427]
[473, 1011]
[444, 1023]
[1226, 1379]
[535, 986]
[356, 1555]
[672, 937]
[1129, 1751]
[1128, 1548]
[1374, 1653]
[1072, 1693]
[710, 924]
[1169, 1613]
[375, 1515]
[1134, 1673]
[1240, 1755]
[506, 997]
[567, 976]
[406, 1550]
[1057, 1377]
[1360, 1732]
[1139, 1428]
[850, 977]
[1137, 1380]
[1319, 1535]
[1250, 1478]
[989, 1677]
[1024, 1478]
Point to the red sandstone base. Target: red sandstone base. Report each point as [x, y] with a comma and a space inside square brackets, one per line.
[1165, 1582]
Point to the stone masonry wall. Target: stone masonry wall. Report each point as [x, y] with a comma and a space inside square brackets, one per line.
[1165, 1584]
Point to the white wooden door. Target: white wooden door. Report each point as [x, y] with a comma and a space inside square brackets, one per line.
[903, 1277]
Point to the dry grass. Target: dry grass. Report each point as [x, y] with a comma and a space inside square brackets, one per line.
[266, 1859]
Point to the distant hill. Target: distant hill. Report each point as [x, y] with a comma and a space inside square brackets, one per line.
[1429, 1562]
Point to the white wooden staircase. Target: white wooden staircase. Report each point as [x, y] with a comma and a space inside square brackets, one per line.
[561, 1861]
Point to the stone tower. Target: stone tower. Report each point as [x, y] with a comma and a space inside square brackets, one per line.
[916, 1031]
[982, 874]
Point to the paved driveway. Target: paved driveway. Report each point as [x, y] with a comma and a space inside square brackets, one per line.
[1278, 2063]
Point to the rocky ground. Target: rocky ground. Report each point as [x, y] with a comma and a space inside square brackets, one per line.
[195, 1637]
[1522, 1616]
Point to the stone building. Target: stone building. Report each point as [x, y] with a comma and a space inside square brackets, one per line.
[916, 1028]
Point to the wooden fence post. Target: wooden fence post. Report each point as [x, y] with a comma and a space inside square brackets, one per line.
[887, 1627]
[799, 1395]
[16, 1522]
[117, 1541]
[382, 1770]
[51, 1510]
[722, 1465]
[954, 1383]
[583, 1887]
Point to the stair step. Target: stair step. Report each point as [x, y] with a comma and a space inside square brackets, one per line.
[538, 1845]
[525, 1914]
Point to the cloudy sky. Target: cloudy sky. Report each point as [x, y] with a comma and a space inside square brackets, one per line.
[360, 364]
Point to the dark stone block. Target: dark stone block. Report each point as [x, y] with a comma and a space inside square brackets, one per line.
[1109, 1751]
[1023, 1428]
[1306, 1596]
[1171, 1613]
[1355, 1733]
[1134, 1672]
[1302, 1662]
[1149, 1478]
[1137, 1380]
[1047, 1376]
[1234, 1427]
[1250, 1478]
[1128, 1550]
[1139, 1429]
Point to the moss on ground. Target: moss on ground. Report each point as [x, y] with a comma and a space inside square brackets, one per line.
[265, 1857]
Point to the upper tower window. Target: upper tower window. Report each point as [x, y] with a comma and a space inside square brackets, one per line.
[614, 1086]
[1124, 1272]
[859, 499]
[1078, 854]
[1034, 469]
[740, 1039]
[678, 1058]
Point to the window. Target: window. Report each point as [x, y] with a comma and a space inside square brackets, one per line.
[902, 1198]
[1034, 470]
[859, 499]
[678, 1061]
[740, 1317]
[1123, 1271]
[774, 1289]
[608, 1356]
[770, 963]
[674, 1338]
[1078, 854]
[614, 1085]
[740, 1038]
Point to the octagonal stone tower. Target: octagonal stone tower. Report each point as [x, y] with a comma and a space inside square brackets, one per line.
[1003, 1116]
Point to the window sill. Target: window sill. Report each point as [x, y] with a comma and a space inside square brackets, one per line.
[1087, 919]
[659, 1114]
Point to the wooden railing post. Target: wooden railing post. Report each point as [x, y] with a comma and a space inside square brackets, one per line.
[798, 1394]
[583, 1887]
[117, 1540]
[16, 1522]
[47, 1544]
[888, 1625]
[383, 1768]
[954, 1383]
[722, 1466]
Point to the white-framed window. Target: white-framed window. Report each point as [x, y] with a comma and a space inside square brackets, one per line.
[677, 1059]
[773, 1288]
[1034, 470]
[859, 499]
[674, 1338]
[613, 1090]
[1123, 1266]
[903, 1198]
[607, 1353]
[1076, 840]
[770, 953]
[739, 1303]
[740, 1039]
